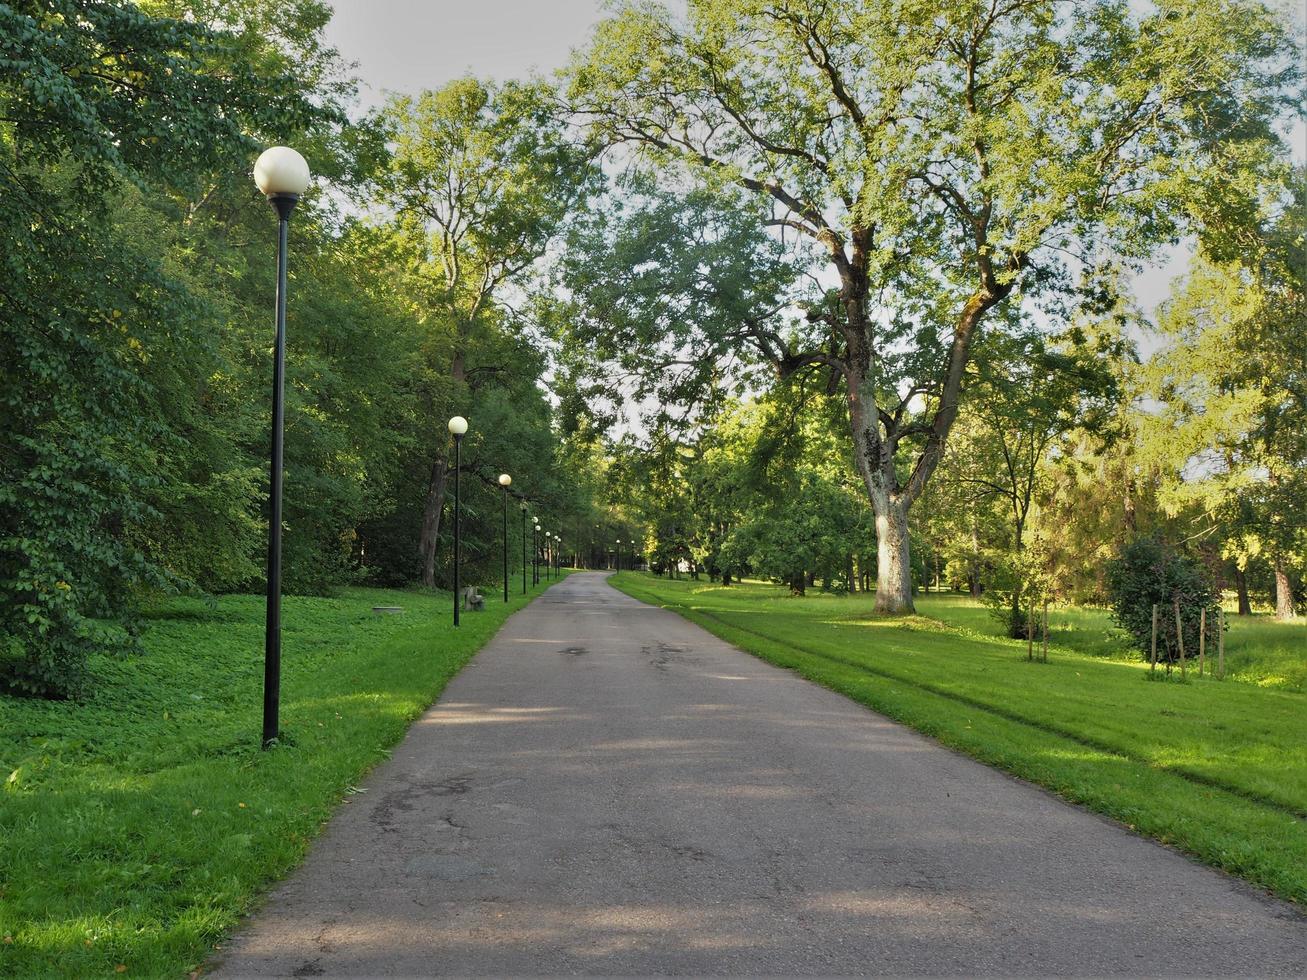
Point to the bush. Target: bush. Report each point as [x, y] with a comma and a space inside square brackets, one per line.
[1017, 582]
[1147, 572]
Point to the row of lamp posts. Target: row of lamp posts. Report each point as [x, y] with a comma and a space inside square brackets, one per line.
[282, 175]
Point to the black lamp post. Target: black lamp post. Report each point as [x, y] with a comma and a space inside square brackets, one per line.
[504, 481]
[457, 428]
[535, 552]
[282, 175]
[523, 547]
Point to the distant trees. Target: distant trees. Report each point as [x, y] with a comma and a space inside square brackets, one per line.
[813, 262]
[1230, 427]
[135, 320]
[480, 180]
[934, 160]
[765, 490]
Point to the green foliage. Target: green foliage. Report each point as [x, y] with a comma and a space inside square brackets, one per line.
[1150, 575]
[137, 305]
[96, 98]
[1229, 433]
[479, 179]
[927, 168]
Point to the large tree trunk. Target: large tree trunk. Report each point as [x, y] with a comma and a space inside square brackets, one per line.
[874, 453]
[1241, 589]
[1284, 605]
[434, 505]
[893, 559]
[876, 467]
[431, 511]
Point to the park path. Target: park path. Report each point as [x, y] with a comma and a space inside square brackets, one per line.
[609, 789]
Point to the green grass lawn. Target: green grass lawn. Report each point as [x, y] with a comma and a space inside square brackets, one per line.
[1258, 649]
[139, 825]
[1218, 769]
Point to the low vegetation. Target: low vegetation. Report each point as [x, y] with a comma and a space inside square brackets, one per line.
[139, 825]
[1217, 769]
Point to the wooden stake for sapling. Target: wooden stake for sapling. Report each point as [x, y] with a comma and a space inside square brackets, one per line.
[1179, 635]
[1153, 661]
[1030, 632]
[1220, 643]
[1202, 640]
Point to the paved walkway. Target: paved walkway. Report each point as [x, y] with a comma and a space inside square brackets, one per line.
[609, 789]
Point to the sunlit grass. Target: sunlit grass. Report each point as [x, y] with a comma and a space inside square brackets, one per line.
[1258, 649]
[1218, 768]
[138, 826]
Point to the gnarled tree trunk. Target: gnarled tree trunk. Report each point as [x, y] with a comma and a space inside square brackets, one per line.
[873, 452]
[1284, 604]
[875, 462]
[893, 558]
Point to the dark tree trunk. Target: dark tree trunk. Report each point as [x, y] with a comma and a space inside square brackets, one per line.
[798, 584]
[1017, 622]
[1241, 588]
[431, 510]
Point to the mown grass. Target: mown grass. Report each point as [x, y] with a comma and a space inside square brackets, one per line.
[1258, 649]
[139, 825]
[1218, 769]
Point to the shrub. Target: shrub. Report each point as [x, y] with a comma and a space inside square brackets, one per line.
[1150, 572]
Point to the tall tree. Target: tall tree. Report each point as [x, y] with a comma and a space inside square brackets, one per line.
[1230, 423]
[480, 180]
[947, 149]
[100, 103]
[1029, 394]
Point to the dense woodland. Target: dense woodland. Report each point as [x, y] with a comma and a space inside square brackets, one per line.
[833, 294]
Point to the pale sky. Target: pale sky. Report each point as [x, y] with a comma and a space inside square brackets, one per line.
[407, 45]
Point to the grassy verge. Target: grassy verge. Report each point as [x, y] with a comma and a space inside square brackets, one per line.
[139, 825]
[1258, 649]
[1218, 769]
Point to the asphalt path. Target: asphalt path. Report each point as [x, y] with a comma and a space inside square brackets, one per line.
[608, 789]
